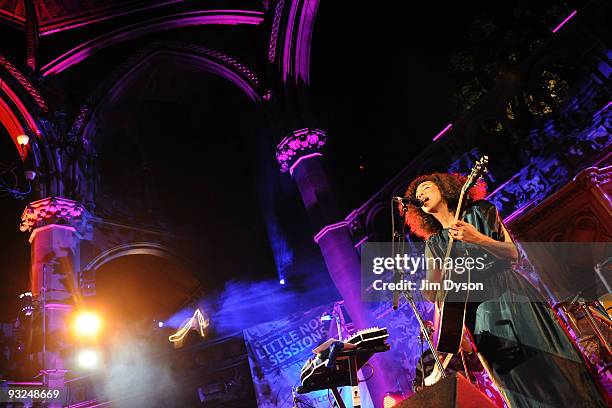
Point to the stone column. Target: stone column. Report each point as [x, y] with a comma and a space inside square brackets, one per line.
[300, 154]
[56, 226]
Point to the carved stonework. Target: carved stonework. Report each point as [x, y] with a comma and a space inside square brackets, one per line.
[465, 162]
[81, 118]
[25, 83]
[278, 12]
[582, 203]
[593, 177]
[55, 210]
[548, 169]
[299, 144]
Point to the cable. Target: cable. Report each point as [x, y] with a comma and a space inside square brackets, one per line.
[422, 358]
[371, 375]
[401, 241]
[297, 400]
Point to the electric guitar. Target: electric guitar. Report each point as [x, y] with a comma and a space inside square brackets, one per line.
[452, 312]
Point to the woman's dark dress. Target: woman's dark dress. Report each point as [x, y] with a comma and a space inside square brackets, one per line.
[539, 369]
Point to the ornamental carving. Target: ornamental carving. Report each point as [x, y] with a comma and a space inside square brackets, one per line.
[278, 12]
[594, 177]
[553, 166]
[298, 144]
[54, 210]
[79, 122]
[25, 83]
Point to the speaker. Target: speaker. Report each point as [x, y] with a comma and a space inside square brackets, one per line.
[453, 391]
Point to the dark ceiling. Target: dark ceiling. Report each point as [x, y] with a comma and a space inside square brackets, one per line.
[382, 86]
[385, 81]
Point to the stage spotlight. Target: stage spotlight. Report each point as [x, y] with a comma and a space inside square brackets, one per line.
[282, 281]
[87, 358]
[87, 324]
[392, 399]
[160, 324]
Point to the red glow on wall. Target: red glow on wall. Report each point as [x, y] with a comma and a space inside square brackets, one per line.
[11, 121]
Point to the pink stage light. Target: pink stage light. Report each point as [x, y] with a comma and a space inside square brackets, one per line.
[392, 399]
[446, 129]
[572, 14]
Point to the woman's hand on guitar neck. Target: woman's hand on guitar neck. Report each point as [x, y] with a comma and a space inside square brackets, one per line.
[466, 232]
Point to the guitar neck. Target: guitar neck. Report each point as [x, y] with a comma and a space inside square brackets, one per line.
[455, 219]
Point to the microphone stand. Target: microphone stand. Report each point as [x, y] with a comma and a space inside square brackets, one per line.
[410, 299]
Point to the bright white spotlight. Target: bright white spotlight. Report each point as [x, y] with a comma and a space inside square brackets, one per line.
[160, 324]
[87, 324]
[282, 281]
[87, 358]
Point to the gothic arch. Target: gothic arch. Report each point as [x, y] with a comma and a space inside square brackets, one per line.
[205, 59]
[21, 112]
[17, 114]
[295, 56]
[143, 28]
[134, 248]
[181, 285]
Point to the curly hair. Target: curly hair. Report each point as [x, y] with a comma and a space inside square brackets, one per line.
[425, 225]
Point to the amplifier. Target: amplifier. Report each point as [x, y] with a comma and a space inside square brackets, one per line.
[453, 391]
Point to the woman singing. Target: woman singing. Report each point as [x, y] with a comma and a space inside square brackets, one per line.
[521, 343]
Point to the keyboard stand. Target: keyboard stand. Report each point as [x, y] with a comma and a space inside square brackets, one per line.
[337, 397]
[352, 361]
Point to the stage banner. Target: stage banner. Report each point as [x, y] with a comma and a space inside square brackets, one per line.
[277, 351]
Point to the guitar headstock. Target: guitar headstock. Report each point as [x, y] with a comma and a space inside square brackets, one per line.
[479, 169]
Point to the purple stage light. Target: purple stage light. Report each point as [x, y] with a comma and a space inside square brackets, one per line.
[573, 13]
[446, 129]
[282, 281]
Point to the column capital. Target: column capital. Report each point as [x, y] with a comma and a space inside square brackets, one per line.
[297, 145]
[54, 210]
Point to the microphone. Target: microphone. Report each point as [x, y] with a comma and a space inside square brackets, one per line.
[405, 200]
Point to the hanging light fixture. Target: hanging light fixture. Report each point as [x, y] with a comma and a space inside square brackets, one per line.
[9, 179]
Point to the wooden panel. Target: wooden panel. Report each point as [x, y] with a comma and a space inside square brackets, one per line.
[578, 212]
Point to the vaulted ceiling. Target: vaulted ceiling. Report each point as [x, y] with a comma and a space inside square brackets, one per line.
[54, 15]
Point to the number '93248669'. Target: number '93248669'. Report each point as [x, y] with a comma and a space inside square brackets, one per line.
[15, 394]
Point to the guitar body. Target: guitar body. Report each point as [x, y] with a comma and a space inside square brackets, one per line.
[451, 317]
